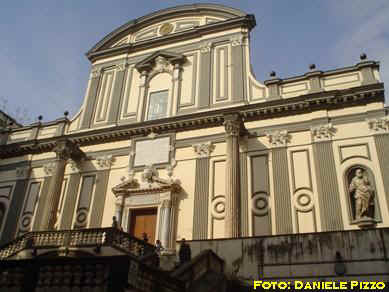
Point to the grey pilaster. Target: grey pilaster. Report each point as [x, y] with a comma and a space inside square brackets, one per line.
[90, 101]
[205, 76]
[232, 220]
[70, 201]
[117, 93]
[237, 72]
[282, 200]
[382, 146]
[14, 212]
[328, 190]
[201, 196]
[99, 199]
[41, 205]
[244, 194]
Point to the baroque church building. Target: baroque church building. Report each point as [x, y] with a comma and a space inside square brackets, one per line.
[176, 138]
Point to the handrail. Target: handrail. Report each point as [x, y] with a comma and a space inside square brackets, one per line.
[77, 238]
[204, 262]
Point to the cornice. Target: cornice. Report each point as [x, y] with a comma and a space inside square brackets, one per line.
[266, 110]
[196, 32]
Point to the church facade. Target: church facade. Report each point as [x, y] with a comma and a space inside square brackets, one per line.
[176, 138]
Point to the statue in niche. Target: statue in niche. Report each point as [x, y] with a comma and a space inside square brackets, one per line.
[362, 195]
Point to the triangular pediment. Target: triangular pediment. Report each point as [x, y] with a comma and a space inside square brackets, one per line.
[155, 185]
[149, 62]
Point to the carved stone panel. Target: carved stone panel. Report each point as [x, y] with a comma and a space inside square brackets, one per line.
[152, 152]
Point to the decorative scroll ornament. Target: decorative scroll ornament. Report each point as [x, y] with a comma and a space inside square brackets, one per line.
[205, 47]
[171, 167]
[323, 132]
[379, 125]
[105, 161]
[49, 168]
[278, 137]
[22, 172]
[149, 173]
[204, 149]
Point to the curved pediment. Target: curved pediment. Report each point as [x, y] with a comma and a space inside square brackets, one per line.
[166, 21]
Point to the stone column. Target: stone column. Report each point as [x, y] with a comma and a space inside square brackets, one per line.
[64, 150]
[233, 126]
[119, 206]
[165, 221]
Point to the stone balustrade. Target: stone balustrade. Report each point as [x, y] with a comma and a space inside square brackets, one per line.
[77, 238]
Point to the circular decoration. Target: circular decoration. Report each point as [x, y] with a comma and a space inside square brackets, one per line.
[218, 207]
[260, 204]
[26, 222]
[81, 217]
[303, 202]
[166, 29]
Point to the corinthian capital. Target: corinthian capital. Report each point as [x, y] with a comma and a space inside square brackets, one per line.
[233, 125]
[65, 149]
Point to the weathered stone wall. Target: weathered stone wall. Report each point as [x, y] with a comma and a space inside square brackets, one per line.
[358, 254]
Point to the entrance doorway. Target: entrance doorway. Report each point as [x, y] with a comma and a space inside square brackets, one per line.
[143, 221]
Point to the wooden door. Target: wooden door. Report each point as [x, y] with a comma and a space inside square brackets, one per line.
[144, 220]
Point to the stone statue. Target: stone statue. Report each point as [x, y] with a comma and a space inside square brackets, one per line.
[363, 194]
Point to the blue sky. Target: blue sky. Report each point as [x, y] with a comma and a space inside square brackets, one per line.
[43, 43]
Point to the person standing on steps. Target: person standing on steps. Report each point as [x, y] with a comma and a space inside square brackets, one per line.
[185, 253]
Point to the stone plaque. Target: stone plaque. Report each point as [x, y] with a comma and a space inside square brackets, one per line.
[143, 199]
[151, 152]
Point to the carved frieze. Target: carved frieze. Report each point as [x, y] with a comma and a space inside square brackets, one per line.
[379, 125]
[323, 132]
[278, 138]
[204, 149]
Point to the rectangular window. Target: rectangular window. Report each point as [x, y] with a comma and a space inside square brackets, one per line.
[157, 105]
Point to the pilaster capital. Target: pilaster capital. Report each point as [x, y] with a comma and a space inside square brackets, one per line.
[379, 125]
[122, 67]
[278, 138]
[204, 149]
[238, 40]
[23, 172]
[96, 72]
[49, 168]
[74, 166]
[205, 47]
[65, 149]
[323, 132]
[233, 125]
[105, 161]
